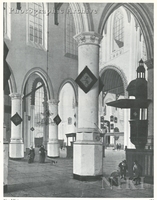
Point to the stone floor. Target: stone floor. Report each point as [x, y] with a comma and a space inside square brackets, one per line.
[56, 180]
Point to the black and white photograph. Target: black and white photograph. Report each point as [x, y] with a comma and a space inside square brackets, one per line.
[78, 100]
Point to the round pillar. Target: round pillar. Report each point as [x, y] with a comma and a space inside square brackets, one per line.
[31, 133]
[29, 125]
[150, 138]
[87, 152]
[53, 145]
[16, 146]
[25, 130]
[76, 116]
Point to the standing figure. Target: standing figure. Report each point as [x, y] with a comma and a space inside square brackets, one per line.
[123, 168]
[31, 155]
[42, 153]
[137, 172]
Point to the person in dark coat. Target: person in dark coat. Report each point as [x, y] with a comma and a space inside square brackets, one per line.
[31, 155]
[123, 169]
[42, 154]
[137, 172]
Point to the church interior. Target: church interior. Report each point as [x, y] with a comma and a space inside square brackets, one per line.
[78, 79]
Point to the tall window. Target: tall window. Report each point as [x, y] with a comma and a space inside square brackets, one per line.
[39, 108]
[35, 23]
[39, 102]
[118, 31]
[71, 49]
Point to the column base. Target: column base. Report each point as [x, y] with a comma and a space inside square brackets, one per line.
[16, 158]
[53, 156]
[53, 149]
[16, 149]
[87, 178]
[87, 157]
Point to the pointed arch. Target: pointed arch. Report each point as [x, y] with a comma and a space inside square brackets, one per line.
[12, 83]
[120, 74]
[67, 108]
[82, 17]
[44, 76]
[141, 13]
[72, 83]
[34, 85]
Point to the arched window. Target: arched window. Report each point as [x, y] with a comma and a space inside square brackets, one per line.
[36, 28]
[118, 31]
[39, 100]
[39, 106]
[71, 49]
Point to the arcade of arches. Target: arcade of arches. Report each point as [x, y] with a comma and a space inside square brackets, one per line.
[43, 56]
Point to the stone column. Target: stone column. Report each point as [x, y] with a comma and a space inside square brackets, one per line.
[53, 145]
[150, 138]
[76, 118]
[32, 114]
[87, 152]
[16, 146]
[25, 119]
[29, 123]
[45, 129]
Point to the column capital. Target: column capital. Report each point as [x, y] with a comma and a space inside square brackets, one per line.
[15, 96]
[150, 63]
[88, 38]
[53, 101]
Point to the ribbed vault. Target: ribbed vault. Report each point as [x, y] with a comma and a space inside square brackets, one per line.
[83, 22]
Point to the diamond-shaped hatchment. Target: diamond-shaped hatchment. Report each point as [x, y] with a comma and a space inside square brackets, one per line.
[16, 119]
[86, 79]
[32, 129]
[57, 119]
